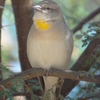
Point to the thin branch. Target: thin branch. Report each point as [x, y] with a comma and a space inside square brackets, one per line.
[88, 18]
[92, 96]
[27, 94]
[21, 94]
[8, 25]
[31, 73]
[2, 7]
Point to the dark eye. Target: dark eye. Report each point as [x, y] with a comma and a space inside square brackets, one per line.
[48, 8]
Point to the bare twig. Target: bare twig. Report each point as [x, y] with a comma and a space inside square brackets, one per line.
[27, 94]
[2, 7]
[21, 94]
[31, 73]
[92, 96]
[89, 17]
[8, 25]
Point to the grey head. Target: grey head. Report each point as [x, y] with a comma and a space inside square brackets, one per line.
[49, 9]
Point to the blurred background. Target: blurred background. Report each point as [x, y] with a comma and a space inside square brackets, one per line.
[73, 10]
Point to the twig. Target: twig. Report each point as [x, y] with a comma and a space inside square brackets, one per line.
[89, 17]
[89, 97]
[27, 94]
[8, 25]
[21, 94]
[31, 73]
[2, 7]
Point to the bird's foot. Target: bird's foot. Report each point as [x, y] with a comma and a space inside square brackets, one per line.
[48, 72]
[85, 74]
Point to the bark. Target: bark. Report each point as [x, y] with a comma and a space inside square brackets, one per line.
[23, 17]
[36, 72]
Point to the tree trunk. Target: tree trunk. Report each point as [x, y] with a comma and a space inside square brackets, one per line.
[23, 18]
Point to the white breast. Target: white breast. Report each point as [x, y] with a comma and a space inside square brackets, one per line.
[49, 52]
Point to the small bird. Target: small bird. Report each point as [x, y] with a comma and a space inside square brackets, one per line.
[49, 42]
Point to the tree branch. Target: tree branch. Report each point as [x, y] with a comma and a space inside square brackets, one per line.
[27, 94]
[78, 66]
[31, 73]
[89, 17]
[90, 97]
[22, 94]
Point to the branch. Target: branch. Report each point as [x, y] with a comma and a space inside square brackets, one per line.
[31, 73]
[78, 66]
[28, 95]
[89, 17]
[2, 2]
[90, 97]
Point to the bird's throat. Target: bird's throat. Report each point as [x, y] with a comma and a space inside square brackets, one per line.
[41, 24]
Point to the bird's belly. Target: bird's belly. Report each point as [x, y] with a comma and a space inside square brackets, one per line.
[47, 54]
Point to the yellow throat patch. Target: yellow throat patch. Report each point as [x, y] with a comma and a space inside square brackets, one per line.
[41, 24]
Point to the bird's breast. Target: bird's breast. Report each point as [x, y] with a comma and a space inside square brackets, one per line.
[47, 53]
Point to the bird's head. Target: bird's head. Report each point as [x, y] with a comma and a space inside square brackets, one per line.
[46, 13]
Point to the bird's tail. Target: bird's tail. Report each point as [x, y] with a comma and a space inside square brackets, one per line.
[50, 87]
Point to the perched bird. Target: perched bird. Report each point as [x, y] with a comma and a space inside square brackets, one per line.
[49, 42]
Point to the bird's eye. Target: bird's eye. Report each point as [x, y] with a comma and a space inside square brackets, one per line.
[48, 8]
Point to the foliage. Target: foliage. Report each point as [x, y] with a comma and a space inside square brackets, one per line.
[17, 86]
[93, 32]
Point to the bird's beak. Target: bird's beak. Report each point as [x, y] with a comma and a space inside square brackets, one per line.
[37, 7]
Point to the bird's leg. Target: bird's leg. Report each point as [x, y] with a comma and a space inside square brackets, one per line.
[58, 89]
[48, 72]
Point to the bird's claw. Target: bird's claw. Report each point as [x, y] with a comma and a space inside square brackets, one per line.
[48, 72]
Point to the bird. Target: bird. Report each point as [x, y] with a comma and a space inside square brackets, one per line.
[49, 42]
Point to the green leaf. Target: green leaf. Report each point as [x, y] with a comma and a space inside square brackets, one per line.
[35, 88]
[9, 94]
